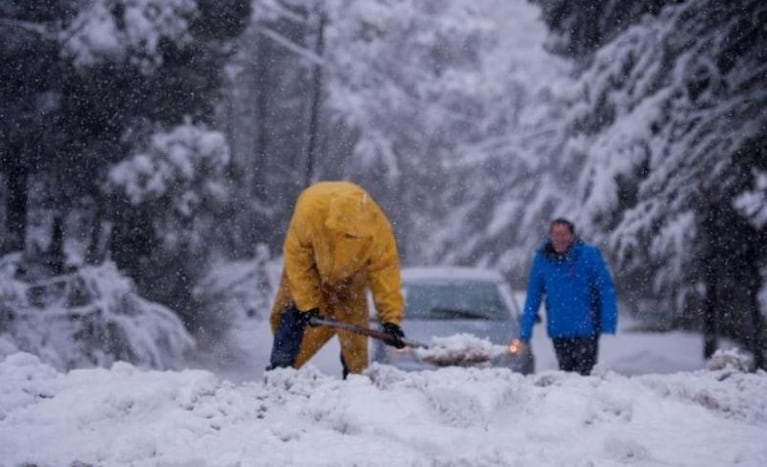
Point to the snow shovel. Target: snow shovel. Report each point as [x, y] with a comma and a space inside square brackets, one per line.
[459, 350]
[374, 333]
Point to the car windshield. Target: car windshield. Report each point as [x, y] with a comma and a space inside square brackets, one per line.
[454, 300]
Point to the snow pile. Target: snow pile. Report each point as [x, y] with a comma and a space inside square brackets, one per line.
[460, 349]
[91, 317]
[452, 416]
[730, 359]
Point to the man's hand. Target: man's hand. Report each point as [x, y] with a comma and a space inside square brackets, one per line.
[307, 316]
[395, 335]
[519, 347]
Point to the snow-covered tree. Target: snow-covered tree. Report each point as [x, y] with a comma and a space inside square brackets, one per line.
[123, 83]
[399, 84]
[501, 185]
[178, 176]
[669, 135]
[28, 104]
[752, 204]
[405, 79]
[655, 149]
[127, 31]
[264, 115]
[166, 199]
[166, 59]
[579, 27]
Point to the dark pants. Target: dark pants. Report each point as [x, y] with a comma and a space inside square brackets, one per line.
[577, 353]
[287, 341]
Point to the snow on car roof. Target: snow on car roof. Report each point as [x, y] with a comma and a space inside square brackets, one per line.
[428, 273]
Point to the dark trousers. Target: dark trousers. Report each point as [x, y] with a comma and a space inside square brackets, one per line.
[577, 354]
[287, 341]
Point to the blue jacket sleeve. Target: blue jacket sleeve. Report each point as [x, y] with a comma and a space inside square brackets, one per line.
[607, 297]
[535, 290]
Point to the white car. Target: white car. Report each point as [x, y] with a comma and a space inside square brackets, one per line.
[445, 301]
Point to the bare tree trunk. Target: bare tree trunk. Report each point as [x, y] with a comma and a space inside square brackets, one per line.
[15, 209]
[711, 282]
[54, 257]
[757, 340]
[731, 274]
[260, 86]
[710, 320]
[754, 324]
[97, 247]
[316, 99]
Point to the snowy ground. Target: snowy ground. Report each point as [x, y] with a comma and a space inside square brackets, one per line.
[124, 416]
[238, 416]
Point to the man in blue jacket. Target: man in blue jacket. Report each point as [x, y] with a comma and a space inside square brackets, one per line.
[580, 298]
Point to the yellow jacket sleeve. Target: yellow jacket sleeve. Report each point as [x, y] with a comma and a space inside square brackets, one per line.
[300, 268]
[384, 277]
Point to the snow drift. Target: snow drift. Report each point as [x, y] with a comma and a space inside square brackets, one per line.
[452, 416]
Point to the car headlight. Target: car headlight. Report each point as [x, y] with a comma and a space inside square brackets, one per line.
[515, 346]
[516, 357]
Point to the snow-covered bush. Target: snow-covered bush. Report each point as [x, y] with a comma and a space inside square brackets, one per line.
[127, 30]
[179, 174]
[91, 317]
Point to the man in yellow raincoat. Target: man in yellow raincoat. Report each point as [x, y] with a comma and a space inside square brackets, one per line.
[338, 245]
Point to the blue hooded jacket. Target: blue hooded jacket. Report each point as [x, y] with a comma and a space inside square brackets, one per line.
[580, 294]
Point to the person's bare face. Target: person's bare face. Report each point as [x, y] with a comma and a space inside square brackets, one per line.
[561, 238]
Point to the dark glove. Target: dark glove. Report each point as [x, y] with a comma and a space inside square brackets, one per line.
[395, 335]
[307, 316]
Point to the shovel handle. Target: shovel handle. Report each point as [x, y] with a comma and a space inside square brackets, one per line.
[374, 333]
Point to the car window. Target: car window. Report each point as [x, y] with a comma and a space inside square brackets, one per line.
[454, 300]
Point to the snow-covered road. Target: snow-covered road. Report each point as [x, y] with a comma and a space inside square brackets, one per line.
[245, 354]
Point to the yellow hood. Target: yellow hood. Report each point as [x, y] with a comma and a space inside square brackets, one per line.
[339, 237]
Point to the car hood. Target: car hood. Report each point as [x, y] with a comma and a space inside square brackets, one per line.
[497, 332]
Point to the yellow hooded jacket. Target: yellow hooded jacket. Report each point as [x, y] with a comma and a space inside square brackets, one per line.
[338, 244]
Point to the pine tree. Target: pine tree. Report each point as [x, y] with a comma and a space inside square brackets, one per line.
[93, 84]
[670, 127]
